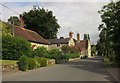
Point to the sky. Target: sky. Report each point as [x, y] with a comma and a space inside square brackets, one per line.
[76, 16]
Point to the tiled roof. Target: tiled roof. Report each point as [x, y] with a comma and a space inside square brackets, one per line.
[82, 45]
[29, 35]
[59, 41]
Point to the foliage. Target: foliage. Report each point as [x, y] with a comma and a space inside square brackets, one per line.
[93, 50]
[23, 63]
[42, 21]
[71, 55]
[67, 49]
[40, 52]
[41, 61]
[55, 54]
[13, 20]
[5, 28]
[31, 63]
[86, 37]
[26, 63]
[14, 47]
[109, 42]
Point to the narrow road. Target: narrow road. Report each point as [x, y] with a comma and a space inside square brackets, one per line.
[79, 70]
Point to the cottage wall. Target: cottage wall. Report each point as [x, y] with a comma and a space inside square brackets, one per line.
[71, 42]
[56, 46]
[89, 49]
[39, 45]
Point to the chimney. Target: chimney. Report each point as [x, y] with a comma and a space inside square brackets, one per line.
[21, 21]
[78, 37]
[70, 34]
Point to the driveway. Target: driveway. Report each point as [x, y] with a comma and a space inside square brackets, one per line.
[78, 70]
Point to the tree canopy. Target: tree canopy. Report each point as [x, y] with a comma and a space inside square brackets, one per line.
[14, 20]
[109, 43]
[42, 21]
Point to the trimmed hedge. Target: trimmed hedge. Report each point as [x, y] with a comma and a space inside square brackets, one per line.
[31, 63]
[55, 54]
[41, 61]
[26, 63]
[40, 52]
[71, 55]
[23, 63]
[14, 47]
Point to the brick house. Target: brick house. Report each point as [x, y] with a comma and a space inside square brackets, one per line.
[58, 43]
[84, 46]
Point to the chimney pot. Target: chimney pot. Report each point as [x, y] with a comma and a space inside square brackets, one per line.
[78, 37]
[21, 21]
[70, 34]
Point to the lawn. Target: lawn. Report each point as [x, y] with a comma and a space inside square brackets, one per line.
[8, 62]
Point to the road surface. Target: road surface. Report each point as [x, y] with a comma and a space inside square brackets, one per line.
[78, 70]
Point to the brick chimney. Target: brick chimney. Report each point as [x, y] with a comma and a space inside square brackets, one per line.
[78, 37]
[70, 34]
[21, 21]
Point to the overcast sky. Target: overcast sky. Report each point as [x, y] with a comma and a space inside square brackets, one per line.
[80, 16]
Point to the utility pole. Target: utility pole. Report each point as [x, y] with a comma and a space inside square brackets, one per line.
[13, 26]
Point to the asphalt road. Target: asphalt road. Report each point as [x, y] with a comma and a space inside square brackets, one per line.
[79, 70]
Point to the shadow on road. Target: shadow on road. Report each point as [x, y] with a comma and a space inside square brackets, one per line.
[94, 65]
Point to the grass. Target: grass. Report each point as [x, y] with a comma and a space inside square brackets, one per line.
[8, 62]
[109, 63]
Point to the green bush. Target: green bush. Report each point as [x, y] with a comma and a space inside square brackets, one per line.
[14, 47]
[71, 55]
[55, 54]
[67, 49]
[41, 61]
[23, 63]
[31, 63]
[40, 52]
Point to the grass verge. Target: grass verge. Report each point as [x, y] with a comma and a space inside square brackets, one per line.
[8, 62]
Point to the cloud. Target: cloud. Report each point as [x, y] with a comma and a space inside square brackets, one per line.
[81, 17]
[56, 1]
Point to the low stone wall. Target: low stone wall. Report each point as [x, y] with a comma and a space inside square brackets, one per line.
[51, 61]
[7, 68]
[73, 59]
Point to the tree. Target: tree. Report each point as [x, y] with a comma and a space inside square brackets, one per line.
[86, 37]
[42, 21]
[110, 29]
[13, 20]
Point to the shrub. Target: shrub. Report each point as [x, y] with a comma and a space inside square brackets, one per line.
[41, 61]
[71, 55]
[31, 63]
[14, 47]
[40, 52]
[55, 54]
[23, 63]
[67, 49]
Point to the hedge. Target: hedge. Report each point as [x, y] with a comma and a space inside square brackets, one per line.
[14, 47]
[26, 63]
[31, 63]
[40, 52]
[23, 63]
[41, 61]
[71, 55]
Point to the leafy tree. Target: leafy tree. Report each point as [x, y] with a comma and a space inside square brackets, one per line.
[13, 20]
[42, 21]
[86, 37]
[109, 30]
[5, 28]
